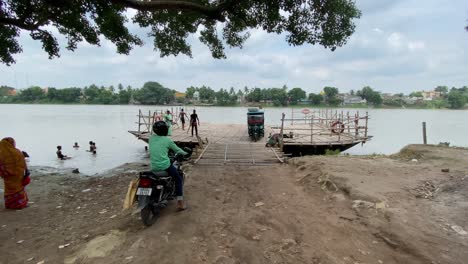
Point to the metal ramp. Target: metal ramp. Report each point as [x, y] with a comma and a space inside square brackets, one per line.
[241, 153]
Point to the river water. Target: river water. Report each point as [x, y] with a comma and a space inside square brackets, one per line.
[38, 129]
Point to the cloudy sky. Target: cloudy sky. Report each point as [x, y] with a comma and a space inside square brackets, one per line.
[398, 46]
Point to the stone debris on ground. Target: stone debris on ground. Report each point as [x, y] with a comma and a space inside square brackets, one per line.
[86, 190]
[63, 246]
[257, 204]
[380, 205]
[30, 259]
[426, 190]
[445, 170]
[459, 230]
[362, 204]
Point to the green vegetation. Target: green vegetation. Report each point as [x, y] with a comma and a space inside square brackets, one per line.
[172, 24]
[153, 93]
[5, 90]
[372, 97]
[331, 96]
[457, 98]
[329, 152]
[295, 95]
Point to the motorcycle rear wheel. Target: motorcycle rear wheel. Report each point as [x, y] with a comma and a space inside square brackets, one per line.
[149, 215]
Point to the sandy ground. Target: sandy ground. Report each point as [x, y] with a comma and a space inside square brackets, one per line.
[328, 209]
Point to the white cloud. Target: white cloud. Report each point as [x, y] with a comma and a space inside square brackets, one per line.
[406, 52]
[378, 30]
[395, 40]
[416, 45]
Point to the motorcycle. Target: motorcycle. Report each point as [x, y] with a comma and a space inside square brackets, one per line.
[155, 190]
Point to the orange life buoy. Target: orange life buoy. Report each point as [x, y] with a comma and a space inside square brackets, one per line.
[337, 127]
[157, 118]
[305, 111]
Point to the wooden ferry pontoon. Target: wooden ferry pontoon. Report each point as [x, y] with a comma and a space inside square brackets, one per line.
[303, 133]
[314, 132]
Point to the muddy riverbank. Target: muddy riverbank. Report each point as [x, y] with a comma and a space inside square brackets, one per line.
[325, 209]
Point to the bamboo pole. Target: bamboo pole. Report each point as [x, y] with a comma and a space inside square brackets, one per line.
[149, 122]
[201, 154]
[311, 129]
[424, 133]
[281, 132]
[367, 121]
[139, 120]
[348, 122]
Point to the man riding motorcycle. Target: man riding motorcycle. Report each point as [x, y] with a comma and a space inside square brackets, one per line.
[159, 146]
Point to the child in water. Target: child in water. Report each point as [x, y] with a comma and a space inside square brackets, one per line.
[60, 154]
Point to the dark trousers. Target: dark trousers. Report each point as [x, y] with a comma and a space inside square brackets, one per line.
[179, 182]
[196, 129]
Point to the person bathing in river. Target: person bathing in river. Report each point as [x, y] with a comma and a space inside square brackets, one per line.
[15, 174]
[60, 154]
[92, 147]
[182, 116]
[76, 146]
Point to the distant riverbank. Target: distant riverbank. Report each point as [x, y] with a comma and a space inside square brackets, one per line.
[262, 105]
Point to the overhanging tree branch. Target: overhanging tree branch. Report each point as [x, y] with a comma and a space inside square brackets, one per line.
[212, 12]
[19, 23]
[328, 23]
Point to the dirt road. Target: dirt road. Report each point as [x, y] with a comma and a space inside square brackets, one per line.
[314, 210]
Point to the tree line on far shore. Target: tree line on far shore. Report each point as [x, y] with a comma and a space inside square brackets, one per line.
[153, 93]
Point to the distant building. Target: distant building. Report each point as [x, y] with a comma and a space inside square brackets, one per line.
[196, 96]
[179, 95]
[11, 92]
[412, 100]
[304, 102]
[430, 95]
[240, 98]
[387, 96]
[350, 100]
[45, 90]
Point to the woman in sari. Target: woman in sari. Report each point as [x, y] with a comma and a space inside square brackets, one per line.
[12, 171]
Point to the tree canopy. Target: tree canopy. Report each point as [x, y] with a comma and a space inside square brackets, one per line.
[315, 99]
[331, 95]
[296, 94]
[154, 93]
[220, 23]
[370, 95]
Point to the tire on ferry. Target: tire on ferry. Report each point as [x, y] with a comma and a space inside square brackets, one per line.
[337, 127]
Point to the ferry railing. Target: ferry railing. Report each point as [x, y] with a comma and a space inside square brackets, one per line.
[323, 126]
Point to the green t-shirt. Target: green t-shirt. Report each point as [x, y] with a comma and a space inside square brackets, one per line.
[159, 147]
[168, 119]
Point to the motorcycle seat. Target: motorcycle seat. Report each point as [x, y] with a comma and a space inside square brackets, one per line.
[158, 174]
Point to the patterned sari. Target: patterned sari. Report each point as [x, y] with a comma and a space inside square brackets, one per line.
[12, 169]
